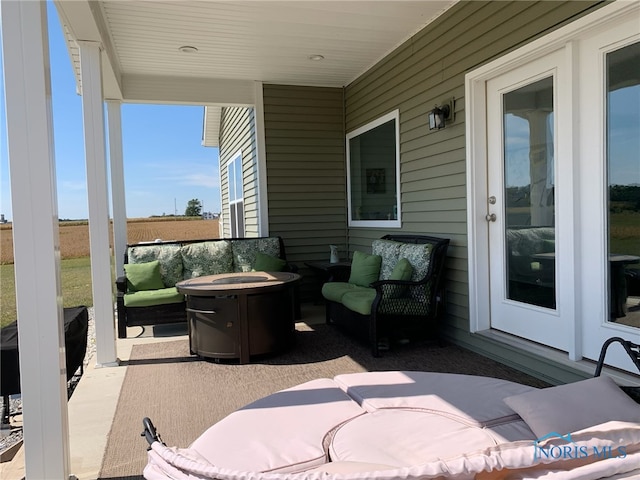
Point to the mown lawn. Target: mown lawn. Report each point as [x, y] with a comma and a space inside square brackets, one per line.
[76, 287]
[625, 234]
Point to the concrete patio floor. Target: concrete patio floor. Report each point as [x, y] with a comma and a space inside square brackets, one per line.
[93, 403]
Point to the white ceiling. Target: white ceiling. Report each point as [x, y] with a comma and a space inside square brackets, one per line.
[238, 42]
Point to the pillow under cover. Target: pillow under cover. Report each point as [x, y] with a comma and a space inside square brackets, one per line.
[143, 276]
[574, 406]
[365, 268]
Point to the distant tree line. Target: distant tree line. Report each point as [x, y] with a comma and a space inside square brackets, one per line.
[622, 197]
[629, 195]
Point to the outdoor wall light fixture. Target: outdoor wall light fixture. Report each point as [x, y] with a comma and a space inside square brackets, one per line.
[439, 115]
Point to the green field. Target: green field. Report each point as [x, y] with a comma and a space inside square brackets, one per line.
[76, 287]
[625, 234]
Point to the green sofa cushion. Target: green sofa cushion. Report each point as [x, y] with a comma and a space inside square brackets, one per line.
[365, 268]
[168, 255]
[268, 263]
[143, 276]
[334, 291]
[359, 300]
[148, 298]
[207, 258]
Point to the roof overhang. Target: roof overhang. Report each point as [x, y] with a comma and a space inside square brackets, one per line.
[237, 44]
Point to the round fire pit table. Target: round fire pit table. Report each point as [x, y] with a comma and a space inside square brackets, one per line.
[238, 315]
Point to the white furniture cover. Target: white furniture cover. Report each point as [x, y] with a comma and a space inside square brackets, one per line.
[406, 425]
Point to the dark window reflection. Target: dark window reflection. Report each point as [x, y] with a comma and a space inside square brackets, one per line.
[529, 193]
[623, 165]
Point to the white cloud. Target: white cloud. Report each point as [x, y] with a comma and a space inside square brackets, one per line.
[199, 180]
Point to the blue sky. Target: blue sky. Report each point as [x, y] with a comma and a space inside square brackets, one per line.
[164, 162]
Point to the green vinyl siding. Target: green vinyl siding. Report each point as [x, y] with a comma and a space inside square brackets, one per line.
[425, 71]
[304, 143]
[237, 133]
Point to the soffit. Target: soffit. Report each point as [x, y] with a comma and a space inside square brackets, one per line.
[211, 126]
[267, 41]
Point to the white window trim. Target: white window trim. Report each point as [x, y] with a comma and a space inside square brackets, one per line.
[476, 147]
[234, 158]
[394, 115]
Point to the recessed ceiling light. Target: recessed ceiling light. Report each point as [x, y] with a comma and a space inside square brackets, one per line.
[316, 57]
[187, 49]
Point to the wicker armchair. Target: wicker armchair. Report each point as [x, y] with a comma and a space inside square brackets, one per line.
[401, 309]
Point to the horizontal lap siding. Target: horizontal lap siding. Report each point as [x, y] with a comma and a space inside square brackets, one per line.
[237, 132]
[304, 140]
[425, 71]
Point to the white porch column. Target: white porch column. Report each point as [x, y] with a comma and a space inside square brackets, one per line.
[261, 157]
[96, 160]
[117, 184]
[35, 238]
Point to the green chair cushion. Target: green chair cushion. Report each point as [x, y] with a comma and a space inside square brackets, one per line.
[359, 301]
[365, 268]
[334, 291]
[149, 298]
[268, 263]
[143, 276]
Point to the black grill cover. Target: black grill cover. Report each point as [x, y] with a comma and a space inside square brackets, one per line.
[76, 324]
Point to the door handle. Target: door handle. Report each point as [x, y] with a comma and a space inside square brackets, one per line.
[490, 217]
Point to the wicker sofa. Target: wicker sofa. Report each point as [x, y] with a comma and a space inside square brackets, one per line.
[399, 300]
[531, 274]
[141, 301]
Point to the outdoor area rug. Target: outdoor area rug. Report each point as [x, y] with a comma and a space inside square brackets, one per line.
[183, 395]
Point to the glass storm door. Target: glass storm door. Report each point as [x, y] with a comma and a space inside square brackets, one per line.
[522, 207]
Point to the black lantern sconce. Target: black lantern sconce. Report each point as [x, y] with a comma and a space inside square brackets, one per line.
[439, 115]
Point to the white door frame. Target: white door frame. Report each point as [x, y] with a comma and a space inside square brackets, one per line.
[551, 327]
[594, 227]
[566, 38]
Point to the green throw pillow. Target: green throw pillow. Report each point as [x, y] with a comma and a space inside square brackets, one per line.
[365, 268]
[143, 276]
[268, 263]
[402, 271]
